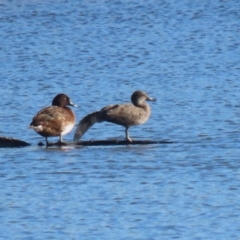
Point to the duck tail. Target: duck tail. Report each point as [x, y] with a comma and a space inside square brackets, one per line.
[87, 122]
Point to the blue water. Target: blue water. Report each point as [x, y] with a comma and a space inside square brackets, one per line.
[184, 53]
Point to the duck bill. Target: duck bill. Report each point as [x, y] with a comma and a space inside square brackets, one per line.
[72, 104]
[151, 99]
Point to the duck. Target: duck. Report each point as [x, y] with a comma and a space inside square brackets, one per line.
[55, 120]
[126, 115]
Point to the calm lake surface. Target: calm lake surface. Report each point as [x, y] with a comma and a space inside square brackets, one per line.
[184, 53]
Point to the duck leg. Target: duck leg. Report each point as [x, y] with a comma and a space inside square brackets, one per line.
[47, 143]
[127, 135]
[60, 141]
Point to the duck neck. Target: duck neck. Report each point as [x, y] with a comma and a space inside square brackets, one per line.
[141, 104]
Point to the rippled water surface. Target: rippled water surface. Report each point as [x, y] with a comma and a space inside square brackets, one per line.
[184, 53]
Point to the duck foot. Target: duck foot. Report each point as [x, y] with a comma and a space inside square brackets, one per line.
[60, 143]
[41, 144]
[129, 140]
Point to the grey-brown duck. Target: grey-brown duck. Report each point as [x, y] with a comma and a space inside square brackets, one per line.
[126, 115]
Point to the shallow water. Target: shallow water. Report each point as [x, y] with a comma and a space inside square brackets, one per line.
[98, 52]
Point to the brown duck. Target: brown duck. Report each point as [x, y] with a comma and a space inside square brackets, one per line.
[56, 120]
[126, 115]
